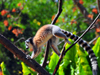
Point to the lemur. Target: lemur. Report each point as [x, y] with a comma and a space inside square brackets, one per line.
[53, 33]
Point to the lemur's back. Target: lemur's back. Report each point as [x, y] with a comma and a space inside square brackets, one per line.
[43, 35]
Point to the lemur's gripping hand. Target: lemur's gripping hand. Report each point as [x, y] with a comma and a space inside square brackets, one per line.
[28, 57]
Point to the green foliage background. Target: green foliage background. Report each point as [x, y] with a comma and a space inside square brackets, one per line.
[36, 13]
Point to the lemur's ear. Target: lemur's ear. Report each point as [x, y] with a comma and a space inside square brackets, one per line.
[31, 40]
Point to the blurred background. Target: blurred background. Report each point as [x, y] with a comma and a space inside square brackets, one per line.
[20, 19]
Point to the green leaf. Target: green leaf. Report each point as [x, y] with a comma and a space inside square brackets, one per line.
[84, 64]
[69, 59]
[61, 70]
[26, 70]
[21, 26]
[4, 69]
[81, 71]
[96, 49]
[53, 61]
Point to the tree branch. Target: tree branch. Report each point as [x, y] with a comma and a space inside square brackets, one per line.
[58, 13]
[22, 38]
[30, 62]
[53, 22]
[93, 40]
[98, 2]
[46, 55]
[83, 10]
[60, 59]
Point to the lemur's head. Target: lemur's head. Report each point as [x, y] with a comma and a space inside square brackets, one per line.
[29, 43]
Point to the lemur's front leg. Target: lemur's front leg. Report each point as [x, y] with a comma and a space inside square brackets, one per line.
[36, 54]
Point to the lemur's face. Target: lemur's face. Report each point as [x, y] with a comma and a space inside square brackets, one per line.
[28, 43]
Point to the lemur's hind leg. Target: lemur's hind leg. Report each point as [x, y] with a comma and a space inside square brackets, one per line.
[58, 33]
[53, 42]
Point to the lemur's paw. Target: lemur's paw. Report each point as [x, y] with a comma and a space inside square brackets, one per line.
[28, 56]
[67, 41]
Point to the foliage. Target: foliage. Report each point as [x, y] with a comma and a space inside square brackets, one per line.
[22, 18]
[53, 62]
[26, 70]
[75, 61]
[4, 69]
[96, 50]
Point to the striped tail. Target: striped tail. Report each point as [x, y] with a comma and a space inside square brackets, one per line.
[86, 47]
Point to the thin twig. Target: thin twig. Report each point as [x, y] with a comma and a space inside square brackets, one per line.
[93, 40]
[22, 38]
[15, 19]
[60, 42]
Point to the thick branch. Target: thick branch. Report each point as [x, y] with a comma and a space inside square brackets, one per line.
[32, 63]
[83, 10]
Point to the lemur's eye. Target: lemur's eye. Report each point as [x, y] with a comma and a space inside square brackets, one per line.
[27, 41]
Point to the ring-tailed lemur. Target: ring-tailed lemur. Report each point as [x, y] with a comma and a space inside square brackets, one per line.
[53, 33]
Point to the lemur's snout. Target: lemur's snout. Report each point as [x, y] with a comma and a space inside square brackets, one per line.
[27, 41]
[27, 47]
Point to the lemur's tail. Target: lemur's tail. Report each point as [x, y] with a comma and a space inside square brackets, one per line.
[86, 47]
